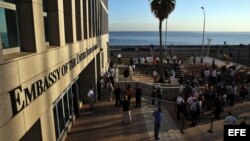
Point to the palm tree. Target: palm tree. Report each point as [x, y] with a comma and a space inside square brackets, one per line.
[161, 9]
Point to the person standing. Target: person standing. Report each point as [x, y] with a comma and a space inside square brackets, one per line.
[129, 93]
[100, 84]
[218, 107]
[118, 92]
[157, 123]
[180, 106]
[243, 92]
[230, 119]
[126, 110]
[159, 95]
[110, 89]
[181, 88]
[232, 94]
[138, 93]
[91, 96]
[194, 109]
[154, 93]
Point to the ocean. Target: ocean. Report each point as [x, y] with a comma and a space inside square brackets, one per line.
[177, 38]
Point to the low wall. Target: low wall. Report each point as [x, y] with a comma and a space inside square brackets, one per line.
[240, 53]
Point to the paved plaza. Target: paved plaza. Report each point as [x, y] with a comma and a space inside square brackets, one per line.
[104, 123]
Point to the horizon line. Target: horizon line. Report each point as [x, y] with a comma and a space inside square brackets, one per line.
[172, 31]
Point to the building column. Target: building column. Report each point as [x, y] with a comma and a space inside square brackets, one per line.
[1, 51]
[86, 78]
[69, 20]
[79, 20]
[31, 26]
[56, 29]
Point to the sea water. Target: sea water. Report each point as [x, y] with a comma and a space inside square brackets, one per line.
[177, 38]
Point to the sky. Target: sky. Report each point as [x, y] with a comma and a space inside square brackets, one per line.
[220, 15]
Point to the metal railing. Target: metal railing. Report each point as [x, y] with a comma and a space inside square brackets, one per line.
[149, 97]
[242, 117]
[210, 130]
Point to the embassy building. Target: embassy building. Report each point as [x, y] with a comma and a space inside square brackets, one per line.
[51, 51]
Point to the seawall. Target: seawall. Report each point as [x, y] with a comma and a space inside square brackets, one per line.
[239, 53]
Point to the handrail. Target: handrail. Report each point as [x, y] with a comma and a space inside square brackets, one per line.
[209, 130]
[149, 97]
[243, 117]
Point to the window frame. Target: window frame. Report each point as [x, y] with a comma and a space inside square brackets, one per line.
[10, 6]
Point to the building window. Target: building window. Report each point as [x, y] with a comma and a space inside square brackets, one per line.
[63, 112]
[59, 121]
[56, 122]
[66, 107]
[45, 20]
[8, 28]
[10, 1]
[34, 133]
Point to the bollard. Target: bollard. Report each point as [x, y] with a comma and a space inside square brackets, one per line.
[211, 127]
[182, 125]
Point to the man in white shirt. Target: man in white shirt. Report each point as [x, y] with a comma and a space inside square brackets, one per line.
[230, 119]
[213, 76]
[91, 96]
[194, 109]
[181, 89]
[207, 75]
[180, 106]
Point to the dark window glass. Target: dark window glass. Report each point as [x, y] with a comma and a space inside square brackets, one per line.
[66, 107]
[34, 133]
[8, 28]
[70, 101]
[60, 115]
[45, 4]
[56, 122]
[45, 20]
[10, 1]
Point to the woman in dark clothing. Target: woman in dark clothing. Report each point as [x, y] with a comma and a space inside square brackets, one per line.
[138, 93]
[242, 92]
[217, 107]
[118, 92]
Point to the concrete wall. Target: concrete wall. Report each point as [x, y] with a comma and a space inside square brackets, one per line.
[24, 71]
[24, 96]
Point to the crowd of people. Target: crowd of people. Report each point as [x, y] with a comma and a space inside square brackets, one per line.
[209, 91]
[123, 97]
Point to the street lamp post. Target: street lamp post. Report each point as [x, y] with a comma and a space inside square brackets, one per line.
[202, 51]
[208, 43]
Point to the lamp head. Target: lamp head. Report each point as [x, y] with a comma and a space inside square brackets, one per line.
[202, 7]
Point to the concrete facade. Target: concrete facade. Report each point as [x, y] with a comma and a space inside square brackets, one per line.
[34, 85]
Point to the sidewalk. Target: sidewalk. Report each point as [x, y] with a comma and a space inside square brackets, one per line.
[104, 123]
